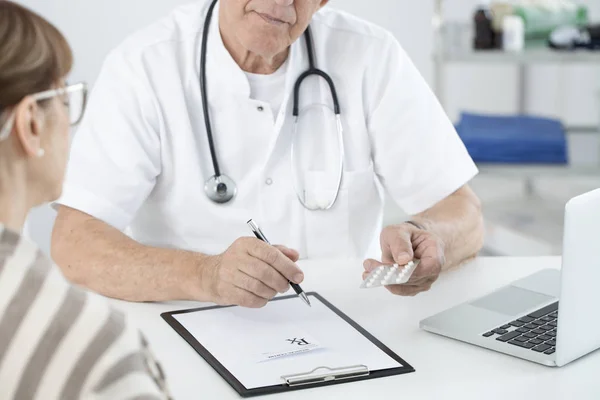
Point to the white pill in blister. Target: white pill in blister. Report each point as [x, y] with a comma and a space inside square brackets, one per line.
[389, 275]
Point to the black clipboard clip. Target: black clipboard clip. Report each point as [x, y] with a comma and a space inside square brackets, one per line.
[326, 374]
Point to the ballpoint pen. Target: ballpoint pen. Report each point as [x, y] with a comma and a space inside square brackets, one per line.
[259, 235]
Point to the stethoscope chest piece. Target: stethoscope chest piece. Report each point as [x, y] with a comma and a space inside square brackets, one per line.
[220, 189]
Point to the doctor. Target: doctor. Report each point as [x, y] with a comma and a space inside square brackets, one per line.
[209, 118]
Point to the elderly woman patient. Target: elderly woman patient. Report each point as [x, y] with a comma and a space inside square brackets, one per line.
[56, 341]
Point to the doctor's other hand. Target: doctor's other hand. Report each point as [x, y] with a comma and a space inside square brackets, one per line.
[250, 273]
[402, 243]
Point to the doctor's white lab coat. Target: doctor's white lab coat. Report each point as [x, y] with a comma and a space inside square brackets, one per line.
[141, 157]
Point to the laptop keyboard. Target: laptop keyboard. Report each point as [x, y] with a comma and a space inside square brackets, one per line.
[535, 331]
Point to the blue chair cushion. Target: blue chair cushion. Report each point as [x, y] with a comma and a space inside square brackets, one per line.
[513, 140]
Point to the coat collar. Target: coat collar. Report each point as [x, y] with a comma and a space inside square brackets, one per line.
[224, 75]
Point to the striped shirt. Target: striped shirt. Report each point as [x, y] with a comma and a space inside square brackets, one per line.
[60, 342]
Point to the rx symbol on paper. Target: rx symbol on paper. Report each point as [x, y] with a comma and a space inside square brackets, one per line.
[299, 342]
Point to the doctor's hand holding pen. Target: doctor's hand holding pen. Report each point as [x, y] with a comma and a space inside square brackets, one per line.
[250, 273]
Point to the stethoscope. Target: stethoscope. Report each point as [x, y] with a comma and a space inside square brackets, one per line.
[222, 189]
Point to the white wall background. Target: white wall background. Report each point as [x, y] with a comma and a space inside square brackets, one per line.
[95, 27]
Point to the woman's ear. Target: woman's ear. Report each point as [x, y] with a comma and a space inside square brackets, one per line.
[28, 127]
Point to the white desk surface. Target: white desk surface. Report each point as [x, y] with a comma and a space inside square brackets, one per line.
[446, 369]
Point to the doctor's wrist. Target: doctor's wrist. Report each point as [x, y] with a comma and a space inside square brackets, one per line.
[196, 283]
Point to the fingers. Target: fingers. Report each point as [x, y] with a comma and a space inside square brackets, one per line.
[400, 246]
[408, 290]
[289, 253]
[266, 274]
[230, 294]
[412, 288]
[251, 272]
[424, 273]
[246, 299]
[396, 246]
[254, 286]
[422, 281]
[371, 265]
[429, 246]
[431, 257]
[276, 259]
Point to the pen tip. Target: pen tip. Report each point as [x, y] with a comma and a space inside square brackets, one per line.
[305, 298]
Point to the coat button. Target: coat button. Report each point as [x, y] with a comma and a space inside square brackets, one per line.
[269, 181]
[260, 108]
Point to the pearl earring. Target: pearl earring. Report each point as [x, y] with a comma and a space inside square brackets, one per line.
[41, 153]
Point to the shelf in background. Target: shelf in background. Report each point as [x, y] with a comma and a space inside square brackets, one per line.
[528, 56]
[456, 46]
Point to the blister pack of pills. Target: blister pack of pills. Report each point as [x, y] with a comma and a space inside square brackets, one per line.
[387, 275]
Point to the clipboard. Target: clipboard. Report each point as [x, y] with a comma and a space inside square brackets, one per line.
[303, 378]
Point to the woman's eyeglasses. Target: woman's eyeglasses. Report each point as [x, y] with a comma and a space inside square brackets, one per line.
[73, 96]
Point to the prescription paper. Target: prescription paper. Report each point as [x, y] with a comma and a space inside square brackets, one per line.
[286, 341]
[239, 338]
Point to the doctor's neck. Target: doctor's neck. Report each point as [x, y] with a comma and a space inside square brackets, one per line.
[271, 53]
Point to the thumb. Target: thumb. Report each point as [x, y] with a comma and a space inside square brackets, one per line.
[396, 246]
[403, 256]
[289, 253]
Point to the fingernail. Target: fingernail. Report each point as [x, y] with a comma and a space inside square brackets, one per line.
[298, 278]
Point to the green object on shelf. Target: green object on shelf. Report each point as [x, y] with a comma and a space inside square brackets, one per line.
[540, 21]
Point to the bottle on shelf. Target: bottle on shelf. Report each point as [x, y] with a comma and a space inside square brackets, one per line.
[485, 36]
[513, 33]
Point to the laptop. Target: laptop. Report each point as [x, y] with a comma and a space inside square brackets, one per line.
[550, 317]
